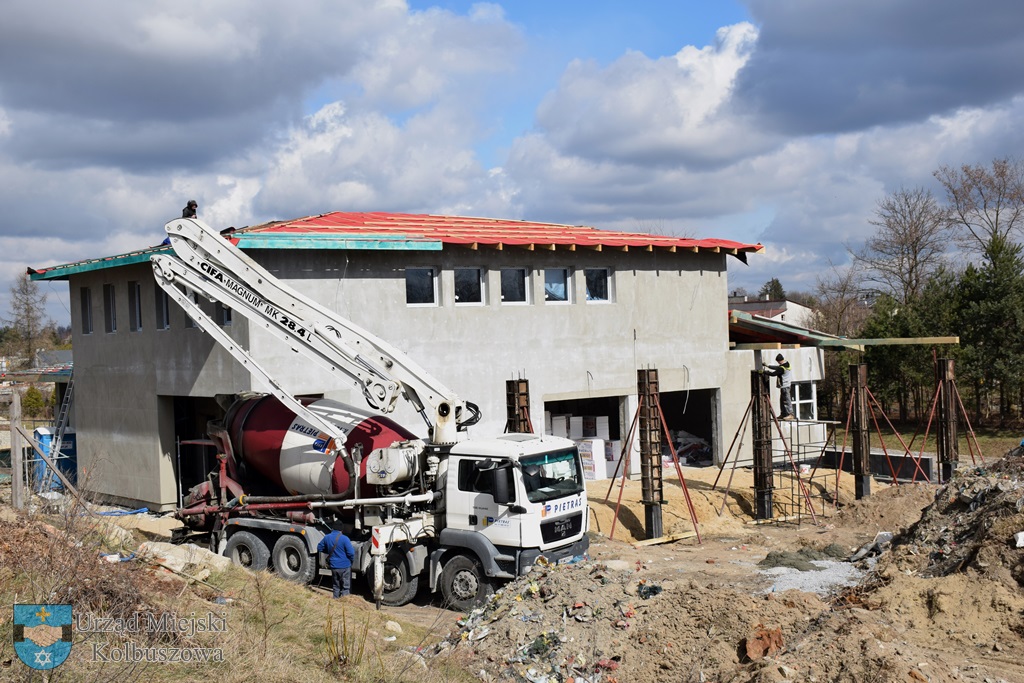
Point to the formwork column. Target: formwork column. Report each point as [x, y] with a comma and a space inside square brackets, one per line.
[947, 435]
[517, 406]
[762, 432]
[649, 426]
[859, 431]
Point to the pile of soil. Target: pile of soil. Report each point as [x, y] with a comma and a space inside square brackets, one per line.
[944, 604]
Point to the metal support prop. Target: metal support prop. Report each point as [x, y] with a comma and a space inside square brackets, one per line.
[517, 407]
[947, 435]
[650, 451]
[860, 431]
[762, 433]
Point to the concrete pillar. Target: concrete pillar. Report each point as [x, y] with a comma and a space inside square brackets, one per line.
[17, 461]
[649, 433]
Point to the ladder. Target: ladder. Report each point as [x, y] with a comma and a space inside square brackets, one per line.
[58, 432]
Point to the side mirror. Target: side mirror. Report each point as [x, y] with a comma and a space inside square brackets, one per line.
[499, 484]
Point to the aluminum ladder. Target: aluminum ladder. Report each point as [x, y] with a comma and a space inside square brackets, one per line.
[58, 432]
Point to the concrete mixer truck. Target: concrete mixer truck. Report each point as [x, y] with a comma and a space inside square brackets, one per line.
[459, 514]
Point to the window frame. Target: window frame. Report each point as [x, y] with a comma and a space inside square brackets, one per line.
[799, 398]
[526, 286]
[85, 302]
[110, 308]
[434, 272]
[609, 285]
[568, 287]
[222, 314]
[162, 305]
[481, 281]
[134, 306]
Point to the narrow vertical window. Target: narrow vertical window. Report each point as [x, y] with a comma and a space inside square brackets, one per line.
[469, 287]
[163, 313]
[223, 315]
[420, 287]
[86, 295]
[134, 306]
[556, 285]
[513, 286]
[599, 287]
[109, 309]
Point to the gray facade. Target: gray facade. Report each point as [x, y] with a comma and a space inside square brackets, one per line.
[138, 391]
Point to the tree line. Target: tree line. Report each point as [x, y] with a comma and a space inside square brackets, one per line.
[951, 265]
[27, 330]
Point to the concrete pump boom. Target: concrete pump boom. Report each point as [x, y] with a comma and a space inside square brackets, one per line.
[209, 263]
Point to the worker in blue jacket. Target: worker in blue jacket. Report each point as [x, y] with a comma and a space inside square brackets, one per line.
[341, 554]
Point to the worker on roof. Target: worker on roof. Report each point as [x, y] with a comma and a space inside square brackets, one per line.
[784, 380]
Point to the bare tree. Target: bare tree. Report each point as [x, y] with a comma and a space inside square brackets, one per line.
[27, 316]
[840, 307]
[985, 204]
[908, 246]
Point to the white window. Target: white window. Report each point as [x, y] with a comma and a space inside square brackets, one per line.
[805, 400]
[109, 309]
[599, 284]
[86, 296]
[514, 286]
[556, 285]
[134, 306]
[420, 287]
[163, 313]
[189, 322]
[469, 286]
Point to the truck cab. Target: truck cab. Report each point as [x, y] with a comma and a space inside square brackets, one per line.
[508, 501]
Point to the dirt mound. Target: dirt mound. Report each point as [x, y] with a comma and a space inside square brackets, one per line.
[888, 508]
[971, 526]
[601, 621]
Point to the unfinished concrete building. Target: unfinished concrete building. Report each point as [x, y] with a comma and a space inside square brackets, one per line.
[476, 302]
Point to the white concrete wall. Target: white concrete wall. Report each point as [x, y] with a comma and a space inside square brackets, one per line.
[668, 312]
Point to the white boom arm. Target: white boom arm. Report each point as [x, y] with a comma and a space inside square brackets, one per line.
[208, 263]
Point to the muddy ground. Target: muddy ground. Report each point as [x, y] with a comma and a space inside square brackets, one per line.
[942, 603]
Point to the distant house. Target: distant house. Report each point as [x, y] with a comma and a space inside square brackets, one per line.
[782, 310]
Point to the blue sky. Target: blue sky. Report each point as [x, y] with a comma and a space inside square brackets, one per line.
[782, 122]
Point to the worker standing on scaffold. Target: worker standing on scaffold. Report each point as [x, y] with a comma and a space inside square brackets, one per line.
[784, 380]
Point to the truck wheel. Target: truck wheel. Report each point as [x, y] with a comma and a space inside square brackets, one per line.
[247, 550]
[463, 583]
[399, 587]
[292, 561]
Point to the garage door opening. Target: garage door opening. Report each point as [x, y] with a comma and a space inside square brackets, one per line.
[692, 419]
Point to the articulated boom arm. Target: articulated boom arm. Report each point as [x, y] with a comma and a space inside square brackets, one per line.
[208, 263]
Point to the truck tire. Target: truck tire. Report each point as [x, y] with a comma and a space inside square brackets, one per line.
[399, 587]
[464, 584]
[292, 560]
[247, 550]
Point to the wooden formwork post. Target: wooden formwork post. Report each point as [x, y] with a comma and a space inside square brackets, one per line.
[517, 406]
[859, 431]
[17, 459]
[761, 415]
[650, 450]
[947, 435]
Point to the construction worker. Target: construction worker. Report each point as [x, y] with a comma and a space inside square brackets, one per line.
[784, 380]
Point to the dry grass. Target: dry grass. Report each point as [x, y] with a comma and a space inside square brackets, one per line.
[275, 630]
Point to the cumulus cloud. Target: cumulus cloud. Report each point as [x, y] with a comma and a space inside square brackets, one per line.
[662, 112]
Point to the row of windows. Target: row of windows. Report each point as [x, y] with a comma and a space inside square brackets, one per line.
[222, 314]
[421, 286]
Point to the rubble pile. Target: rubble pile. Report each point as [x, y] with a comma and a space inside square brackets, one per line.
[615, 621]
[972, 525]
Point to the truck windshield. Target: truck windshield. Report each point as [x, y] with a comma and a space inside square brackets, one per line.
[552, 475]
